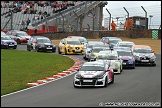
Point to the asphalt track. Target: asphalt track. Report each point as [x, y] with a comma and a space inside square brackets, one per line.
[140, 86]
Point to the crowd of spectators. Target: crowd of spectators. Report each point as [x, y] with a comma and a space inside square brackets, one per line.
[32, 7]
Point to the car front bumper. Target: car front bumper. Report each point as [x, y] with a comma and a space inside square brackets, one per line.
[89, 82]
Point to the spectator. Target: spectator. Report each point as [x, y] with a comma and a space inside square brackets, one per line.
[19, 23]
[45, 13]
[28, 21]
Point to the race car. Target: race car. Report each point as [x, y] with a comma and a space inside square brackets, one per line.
[144, 55]
[125, 54]
[97, 74]
[112, 58]
[70, 46]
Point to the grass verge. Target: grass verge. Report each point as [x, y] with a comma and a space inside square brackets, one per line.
[21, 67]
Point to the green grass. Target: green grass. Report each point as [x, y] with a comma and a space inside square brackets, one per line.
[21, 67]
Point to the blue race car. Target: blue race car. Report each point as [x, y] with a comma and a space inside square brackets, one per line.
[7, 42]
[127, 56]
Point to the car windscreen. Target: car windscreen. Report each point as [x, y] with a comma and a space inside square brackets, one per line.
[124, 53]
[142, 50]
[5, 38]
[102, 57]
[97, 49]
[22, 33]
[125, 45]
[43, 40]
[71, 42]
[112, 57]
[83, 40]
[92, 68]
[114, 41]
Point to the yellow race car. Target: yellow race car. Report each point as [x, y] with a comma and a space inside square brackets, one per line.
[70, 46]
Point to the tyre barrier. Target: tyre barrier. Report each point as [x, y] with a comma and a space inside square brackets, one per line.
[72, 69]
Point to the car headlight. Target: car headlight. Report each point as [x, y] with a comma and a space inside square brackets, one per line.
[78, 76]
[137, 57]
[15, 43]
[101, 76]
[152, 58]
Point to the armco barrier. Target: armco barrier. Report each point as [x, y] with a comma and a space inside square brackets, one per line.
[75, 67]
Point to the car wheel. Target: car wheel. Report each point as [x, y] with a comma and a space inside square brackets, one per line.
[153, 64]
[59, 50]
[112, 79]
[106, 82]
[54, 50]
[14, 47]
[37, 49]
[84, 57]
[75, 86]
[121, 69]
[28, 48]
[18, 41]
[65, 51]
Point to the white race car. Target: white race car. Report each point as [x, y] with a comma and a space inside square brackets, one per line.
[112, 58]
[93, 74]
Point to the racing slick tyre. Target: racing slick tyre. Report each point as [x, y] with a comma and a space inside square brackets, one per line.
[59, 50]
[106, 82]
[84, 57]
[14, 47]
[37, 49]
[54, 50]
[65, 51]
[75, 86]
[18, 41]
[112, 79]
[28, 49]
[153, 64]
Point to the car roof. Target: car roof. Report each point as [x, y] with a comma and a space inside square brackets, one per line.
[39, 36]
[141, 46]
[121, 48]
[76, 36]
[71, 39]
[107, 52]
[126, 42]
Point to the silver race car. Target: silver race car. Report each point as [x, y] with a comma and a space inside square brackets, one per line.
[93, 74]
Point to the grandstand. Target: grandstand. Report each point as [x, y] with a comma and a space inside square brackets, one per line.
[63, 15]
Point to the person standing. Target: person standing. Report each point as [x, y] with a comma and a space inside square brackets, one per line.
[113, 26]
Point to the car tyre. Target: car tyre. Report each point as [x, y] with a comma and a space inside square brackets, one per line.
[75, 86]
[153, 64]
[14, 47]
[18, 41]
[37, 49]
[65, 51]
[59, 50]
[106, 82]
[54, 50]
[112, 79]
[28, 48]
